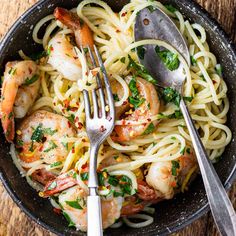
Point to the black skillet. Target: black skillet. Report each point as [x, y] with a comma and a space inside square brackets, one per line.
[170, 215]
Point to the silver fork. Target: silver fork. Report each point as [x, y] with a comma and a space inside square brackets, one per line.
[99, 125]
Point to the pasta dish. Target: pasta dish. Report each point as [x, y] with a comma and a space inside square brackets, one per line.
[149, 156]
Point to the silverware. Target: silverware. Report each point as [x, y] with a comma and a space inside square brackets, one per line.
[157, 25]
[99, 124]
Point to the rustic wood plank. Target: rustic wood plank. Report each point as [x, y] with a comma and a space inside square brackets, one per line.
[12, 220]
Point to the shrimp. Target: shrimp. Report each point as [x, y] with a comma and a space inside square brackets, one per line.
[111, 208]
[62, 55]
[148, 108]
[19, 91]
[165, 177]
[40, 137]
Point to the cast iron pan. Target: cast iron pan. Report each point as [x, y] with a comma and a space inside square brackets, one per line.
[170, 215]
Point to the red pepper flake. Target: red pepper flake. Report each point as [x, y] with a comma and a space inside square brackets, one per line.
[123, 122]
[73, 108]
[102, 128]
[149, 119]
[75, 58]
[214, 82]
[86, 73]
[69, 124]
[77, 103]
[124, 103]
[83, 140]
[84, 166]
[30, 70]
[117, 31]
[80, 125]
[124, 14]
[73, 150]
[57, 211]
[66, 103]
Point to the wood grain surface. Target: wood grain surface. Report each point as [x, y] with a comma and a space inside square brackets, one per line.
[13, 222]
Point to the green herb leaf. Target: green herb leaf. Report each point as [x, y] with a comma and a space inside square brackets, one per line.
[71, 118]
[173, 138]
[101, 179]
[71, 223]
[118, 194]
[170, 8]
[188, 99]
[112, 180]
[52, 146]
[12, 71]
[74, 204]
[58, 163]
[219, 70]
[141, 52]
[175, 166]
[122, 59]
[136, 102]
[37, 135]
[116, 98]
[84, 176]
[188, 150]
[52, 186]
[151, 8]
[19, 142]
[193, 61]
[32, 80]
[182, 151]
[171, 95]
[170, 59]
[49, 131]
[39, 55]
[125, 185]
[141, 71]
[149, 129]
[176, 115]
[65, 144]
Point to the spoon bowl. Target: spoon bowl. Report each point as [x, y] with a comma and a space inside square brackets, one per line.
[157, 25]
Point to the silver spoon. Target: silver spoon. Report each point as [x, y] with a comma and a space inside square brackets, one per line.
[157, 25]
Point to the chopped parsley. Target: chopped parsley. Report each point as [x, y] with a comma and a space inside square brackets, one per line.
[122, 59]
[50, 49]
[49, 131]
[170, 59]
[151, 8]
[141, 71]
[135, 99]
[55, 164]
[125, 185]
[171, 95]
[176, 115]
[101, 179]
[19, 142]
[52, 146]
[175, 166]
[84, 176]
[71, 118]
[141, 52]
[219, 69]
[12, 71]
[116, 98]
[149, 129]
[66, 145]
[74, 204]
[193, 61]
[112, 180]
[31, 80]
[188, 150]
[188, 99]
[39, 55]
[37, 135]
[182, 151]
[52, 186]
[170, 8]
[71, 223]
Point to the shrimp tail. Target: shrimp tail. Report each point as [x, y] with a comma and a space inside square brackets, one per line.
[7, 115]
[83, 34]
[59, 184]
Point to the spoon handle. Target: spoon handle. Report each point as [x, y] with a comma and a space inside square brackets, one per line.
[221, 207]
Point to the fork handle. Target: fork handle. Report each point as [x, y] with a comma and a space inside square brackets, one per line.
[94, 216]
[221, 207]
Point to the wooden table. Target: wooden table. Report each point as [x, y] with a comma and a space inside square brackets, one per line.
[12, 220]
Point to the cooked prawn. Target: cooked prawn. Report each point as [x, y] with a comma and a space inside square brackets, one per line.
[149, 107]
[39, 137]
[62, 55]
[111, 208]
[164, 180]
[19, 91]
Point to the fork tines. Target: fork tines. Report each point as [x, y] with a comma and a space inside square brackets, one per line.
[102, 111]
